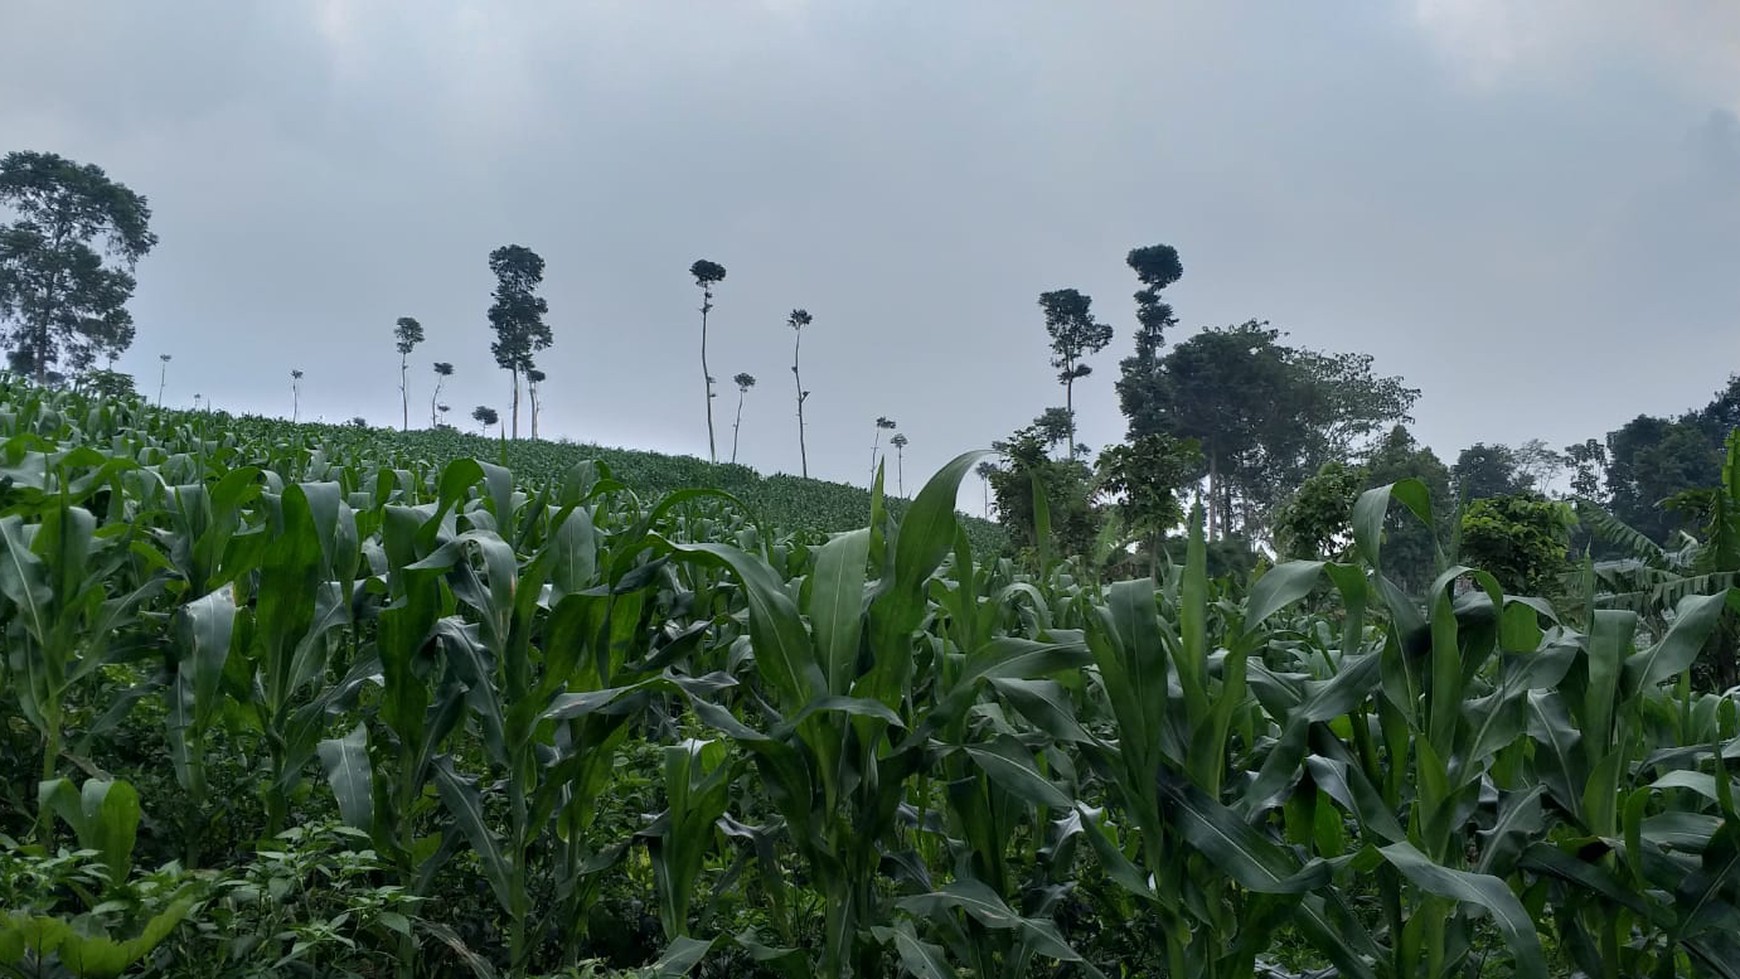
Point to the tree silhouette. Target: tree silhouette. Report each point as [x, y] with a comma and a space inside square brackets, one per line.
[534, 377]
[799, 319]
[407, 333]
[517, 314]
[1074, 335]
[744, 383]
[899, 443]
[707, 274]
[162, 376]
[443, 371]
[62, 302]
[883, 424]
[1055, 425]
[485, 416]
[295, 395]
[1141, 376]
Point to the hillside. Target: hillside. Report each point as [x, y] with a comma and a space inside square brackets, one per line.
[781, 502]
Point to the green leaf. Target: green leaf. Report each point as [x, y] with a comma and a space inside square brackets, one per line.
[1482, 890]
[1374, 504]
[346, 761]
[1235, 848]
[1694, 620]
[918, 958]
[1279, 587]
[837, 606]
[782, 646]
[681, 956]
[463, 803]
[1010, 766]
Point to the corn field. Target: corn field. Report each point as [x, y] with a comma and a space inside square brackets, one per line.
[273, 707]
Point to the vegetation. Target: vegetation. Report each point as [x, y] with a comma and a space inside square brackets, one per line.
[61, 307]
[288, 700]
[799, 319]
[303, 700]
[517, 316]
[707, 275]
[1075, 335]
[744, 382]
[407, 333]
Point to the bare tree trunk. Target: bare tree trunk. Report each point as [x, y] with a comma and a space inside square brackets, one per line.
[803, 455]
[737, 425]
[875, 445]
[900, 470]
[405, 392]
[516, 411]
[1213, 492]
[532, 392]
[707, 375]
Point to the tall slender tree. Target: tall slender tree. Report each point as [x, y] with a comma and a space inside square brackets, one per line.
[407, 333]
[899, 443]
[60, 305]
[799, 319]
[1141, 376]
[517, 315]
[534, 377]
[744, 383]
[295, 395]
[1074, 335]
[707, 275]
[443, 371]
[883, 424]
[162, 376]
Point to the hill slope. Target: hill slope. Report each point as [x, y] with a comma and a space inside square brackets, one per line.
[781, 502]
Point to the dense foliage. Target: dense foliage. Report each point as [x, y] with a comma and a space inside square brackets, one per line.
[287, 702]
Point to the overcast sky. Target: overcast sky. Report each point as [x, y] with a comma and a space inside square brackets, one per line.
[1529, 210]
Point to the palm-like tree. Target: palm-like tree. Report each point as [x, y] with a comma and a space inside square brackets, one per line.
[485, 416]
[899, 443]
[883, 423]
[707, 274]
[407, 333]
[534, 377]
[295, 395]
[443, 371]
[799, 319]
[744, 383]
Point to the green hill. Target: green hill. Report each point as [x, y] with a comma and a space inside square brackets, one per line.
[780, 502]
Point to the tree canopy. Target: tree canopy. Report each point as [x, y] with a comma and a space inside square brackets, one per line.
[517, 315]
[1266, 415]
[61, 305]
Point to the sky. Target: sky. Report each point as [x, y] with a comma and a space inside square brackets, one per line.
[1531, 212]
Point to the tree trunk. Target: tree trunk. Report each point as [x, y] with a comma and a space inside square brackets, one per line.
[707, 375]
[737, 425]
[516, 411]
[803, 455]
[1069, 406]
[1213, 492]
[405, 392]
[532, 392]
